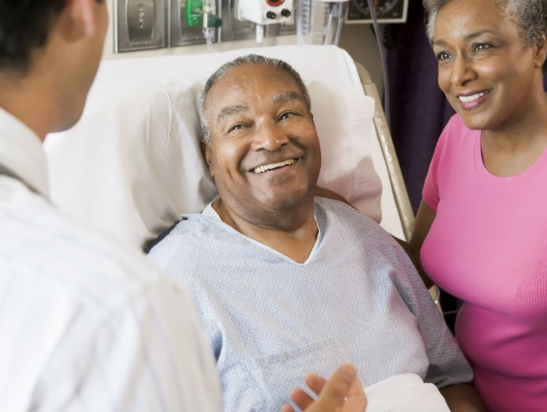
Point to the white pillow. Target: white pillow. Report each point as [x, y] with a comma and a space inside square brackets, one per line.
[343, 119]
[133, 163]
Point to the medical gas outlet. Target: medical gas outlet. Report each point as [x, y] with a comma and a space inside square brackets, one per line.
[263, 12]
[202, 13]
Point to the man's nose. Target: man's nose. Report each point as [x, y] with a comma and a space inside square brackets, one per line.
[269, 136]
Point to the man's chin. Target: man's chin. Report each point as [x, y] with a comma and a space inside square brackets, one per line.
[286, 201]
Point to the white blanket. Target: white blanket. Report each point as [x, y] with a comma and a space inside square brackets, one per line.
[404, 393]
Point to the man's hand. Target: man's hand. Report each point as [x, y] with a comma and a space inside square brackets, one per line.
[343, 392]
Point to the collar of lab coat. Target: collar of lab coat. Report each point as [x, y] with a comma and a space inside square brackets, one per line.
[21, 153]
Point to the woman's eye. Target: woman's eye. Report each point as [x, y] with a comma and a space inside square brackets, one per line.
[442, 56]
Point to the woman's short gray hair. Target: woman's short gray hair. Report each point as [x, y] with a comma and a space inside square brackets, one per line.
[228, 67]
[530, 15]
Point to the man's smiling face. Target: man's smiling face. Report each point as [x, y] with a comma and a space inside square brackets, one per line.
[263, 151]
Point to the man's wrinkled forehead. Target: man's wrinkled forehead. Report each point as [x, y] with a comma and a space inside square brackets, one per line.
[235, 109]
[227, 83]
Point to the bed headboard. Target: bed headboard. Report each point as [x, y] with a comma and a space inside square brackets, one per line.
[133, 164]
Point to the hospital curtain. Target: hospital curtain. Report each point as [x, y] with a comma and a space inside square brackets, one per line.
[418, 109]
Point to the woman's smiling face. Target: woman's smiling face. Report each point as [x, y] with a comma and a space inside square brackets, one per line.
[486, 70]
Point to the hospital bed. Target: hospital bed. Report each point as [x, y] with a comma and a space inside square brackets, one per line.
[133, 165]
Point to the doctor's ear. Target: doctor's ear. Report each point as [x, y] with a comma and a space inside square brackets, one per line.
[80, 19]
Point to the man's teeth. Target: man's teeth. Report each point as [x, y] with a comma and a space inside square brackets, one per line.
[265, 168]
[467, 99]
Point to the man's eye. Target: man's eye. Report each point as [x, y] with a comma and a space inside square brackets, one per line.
[286, 115]
[237, 126]
[480, 46]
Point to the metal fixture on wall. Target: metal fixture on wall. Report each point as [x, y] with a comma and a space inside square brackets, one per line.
[233, 28]
[193, 22]
[139, 25]
[265, 13]
[237, 27]
[150, 24]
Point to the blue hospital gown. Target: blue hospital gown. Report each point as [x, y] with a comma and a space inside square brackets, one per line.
[270, 320]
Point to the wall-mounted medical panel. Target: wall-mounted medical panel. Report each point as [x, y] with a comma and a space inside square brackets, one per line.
[139, 25]
[188, 18]
[266, 12]
[236, 27]
[150, 24]
[232, 27]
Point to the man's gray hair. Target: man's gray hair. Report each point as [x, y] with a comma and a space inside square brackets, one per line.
[228, 67]
[530, 15]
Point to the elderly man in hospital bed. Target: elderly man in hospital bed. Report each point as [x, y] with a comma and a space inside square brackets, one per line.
[287, 282]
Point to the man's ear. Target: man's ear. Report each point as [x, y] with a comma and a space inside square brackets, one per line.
[79, 19]
[206, 150]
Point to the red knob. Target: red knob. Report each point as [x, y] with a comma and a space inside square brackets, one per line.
[275, 3]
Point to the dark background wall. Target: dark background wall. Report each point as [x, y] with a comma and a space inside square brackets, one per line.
[419, 110]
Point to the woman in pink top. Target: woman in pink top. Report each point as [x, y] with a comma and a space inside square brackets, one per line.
[482, 226]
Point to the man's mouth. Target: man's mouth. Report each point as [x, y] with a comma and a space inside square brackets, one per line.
[272, 166]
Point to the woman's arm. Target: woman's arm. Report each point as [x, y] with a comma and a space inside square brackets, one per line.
[462, 398]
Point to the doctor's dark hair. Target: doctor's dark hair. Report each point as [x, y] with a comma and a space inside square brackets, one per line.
[530, 15]
[228, 67]
[24, 27]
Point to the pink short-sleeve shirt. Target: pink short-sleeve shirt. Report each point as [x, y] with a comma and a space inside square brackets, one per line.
[488, 247]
